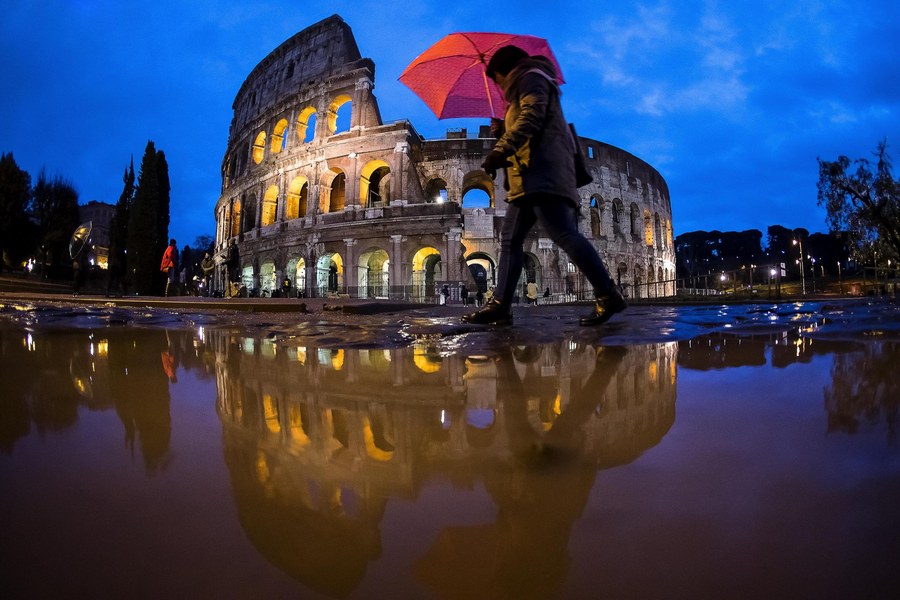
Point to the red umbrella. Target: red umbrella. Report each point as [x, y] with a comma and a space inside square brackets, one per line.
[451, 78]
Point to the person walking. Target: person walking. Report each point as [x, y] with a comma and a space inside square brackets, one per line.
[535, 147]
[169, 266]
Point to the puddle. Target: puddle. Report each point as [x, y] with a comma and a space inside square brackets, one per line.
[157, 454]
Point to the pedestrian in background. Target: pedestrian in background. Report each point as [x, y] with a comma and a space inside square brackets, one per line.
[169, 266]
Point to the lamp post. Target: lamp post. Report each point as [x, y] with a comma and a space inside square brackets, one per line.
[840, 281]
[802, 274]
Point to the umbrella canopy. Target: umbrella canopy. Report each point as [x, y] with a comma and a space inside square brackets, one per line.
[80, 239]
[451, 75]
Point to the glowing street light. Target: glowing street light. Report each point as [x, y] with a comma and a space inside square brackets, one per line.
[802, 274]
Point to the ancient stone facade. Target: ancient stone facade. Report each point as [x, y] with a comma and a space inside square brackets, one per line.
[318, 191]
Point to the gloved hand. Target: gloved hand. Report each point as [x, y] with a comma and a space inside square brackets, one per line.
[495, 160]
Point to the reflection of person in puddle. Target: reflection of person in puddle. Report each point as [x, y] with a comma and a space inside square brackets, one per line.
[545, 489]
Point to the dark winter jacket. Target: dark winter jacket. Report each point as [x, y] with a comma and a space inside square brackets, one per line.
[537, 139]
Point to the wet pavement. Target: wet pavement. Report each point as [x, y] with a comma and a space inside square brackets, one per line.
[362, 450]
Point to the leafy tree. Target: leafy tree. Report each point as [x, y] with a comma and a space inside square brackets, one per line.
[15, 194]
[203, 244]
[148, 222]
[864, 201]
[54, 206]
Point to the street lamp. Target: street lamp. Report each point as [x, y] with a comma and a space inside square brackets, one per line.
[802, 274]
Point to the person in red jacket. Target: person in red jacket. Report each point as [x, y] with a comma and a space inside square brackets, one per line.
[169, 265]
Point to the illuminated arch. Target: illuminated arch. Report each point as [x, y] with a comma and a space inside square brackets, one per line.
[377, 446]
[374, 184]
[267, 281]
[334, 183]
[330, 274]
[270, 206]
[279, 140]
[648, 228]
[373, 274]
[306, 125]
[596, 215]
[425, 361]
[259, 147]
[333, 109]
[235, 217]
[426, 270]
[657, 231]
[297, 198]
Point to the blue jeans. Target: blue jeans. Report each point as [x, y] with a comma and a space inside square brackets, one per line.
[557, 215]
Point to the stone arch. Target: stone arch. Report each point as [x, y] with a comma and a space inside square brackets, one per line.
[483, 269]
[373, 274]
[657, 231]
[295, 271]
[637, 281]
[306, 125]
[249, 220]
[621, 275]
[617, 214]
[259, 147]
[436, 190]
[334, 184]
[648, 228]
[267, 282]
[270, 206]
[279, 137]
[374, 184]
[634, 220]
[235, 217]
[329, 273]
[297, 198]
[426, 270]
[596, 206]
[336, 104]
[477, 180]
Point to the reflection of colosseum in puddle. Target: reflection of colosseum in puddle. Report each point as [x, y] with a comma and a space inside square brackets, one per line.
[316, 188]
[317, 440]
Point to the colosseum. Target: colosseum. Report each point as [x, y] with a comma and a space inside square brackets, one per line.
[319, 191]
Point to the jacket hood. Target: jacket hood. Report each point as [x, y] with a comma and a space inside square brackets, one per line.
[542, 63]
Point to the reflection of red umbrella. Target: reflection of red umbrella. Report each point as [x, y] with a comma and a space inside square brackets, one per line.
[450, 76]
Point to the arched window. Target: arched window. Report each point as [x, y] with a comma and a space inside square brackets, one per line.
[270, 206]
[297, 196]
[436, 191]
[338, 115]
[259, 147]
[657, 231]
[306, 125]
[648, 228]
[279, 139]
[635, 219]
[336, 196]
[374, 184]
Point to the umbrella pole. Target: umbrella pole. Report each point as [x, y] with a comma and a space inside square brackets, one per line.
[488, 90]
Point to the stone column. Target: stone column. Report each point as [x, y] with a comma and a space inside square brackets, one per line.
[398, 283]
[351, 271]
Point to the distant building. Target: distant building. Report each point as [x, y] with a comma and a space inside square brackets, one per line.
[100, 214]
[318, 190]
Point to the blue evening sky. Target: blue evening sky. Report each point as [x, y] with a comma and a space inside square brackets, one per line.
[731, 101]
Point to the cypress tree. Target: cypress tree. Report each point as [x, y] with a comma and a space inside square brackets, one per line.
[118, 239]
[162, 230]
[144, 251]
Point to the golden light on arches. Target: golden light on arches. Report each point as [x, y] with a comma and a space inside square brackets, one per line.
[418, 261]
[297, 195]
[296, 427]
[270, 205]
[270, 412]
[303, 123]
[371, 448]
[235, 218]
[333, 108]
[425, 362]
[365, 178]
[277, 143]
[259, 147]
[337, 360]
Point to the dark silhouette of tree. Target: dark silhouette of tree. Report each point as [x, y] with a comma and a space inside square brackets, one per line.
[118, 238]
[15, 194]
[864, 201]
[54, 206]
[148, 222]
